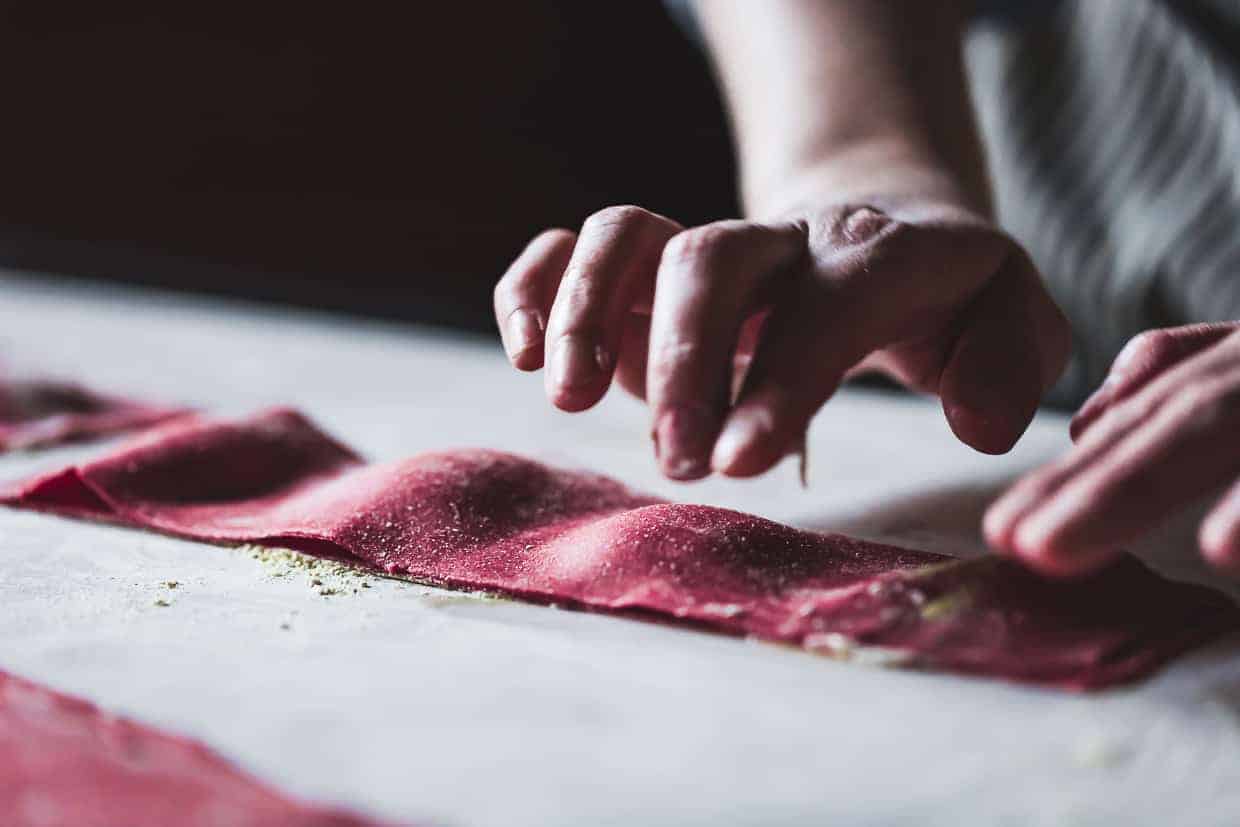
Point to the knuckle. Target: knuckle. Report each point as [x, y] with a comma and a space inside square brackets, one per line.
[673, 358]
[523, 274]
[1151, 346]
[500, 293]
[508, 292]
[582, 306]
[674, 352]
[858, 225]
[617, 217]
[581, 331]
[1154, 342]
[852, 224]
[696, 245]
[711, 242]
[1199, 329]
[554, 235]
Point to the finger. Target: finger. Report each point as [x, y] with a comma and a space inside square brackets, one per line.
[1143, 358]
[524, 294]
[708, 282]
[1116, 424]
[1012, 346]
[634, 346]
[796, 368]
[871, 282]
[615, 259]
[1184, 451]
[1220, 532]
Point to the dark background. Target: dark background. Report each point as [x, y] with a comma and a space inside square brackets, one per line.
[386, 158]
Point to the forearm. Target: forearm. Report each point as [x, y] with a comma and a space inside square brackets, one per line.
[865, 99]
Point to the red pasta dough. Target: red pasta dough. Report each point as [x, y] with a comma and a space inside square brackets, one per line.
[37, 413]
[65, 762]
[492, 521]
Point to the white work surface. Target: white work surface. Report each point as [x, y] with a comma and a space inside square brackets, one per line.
[416, 704]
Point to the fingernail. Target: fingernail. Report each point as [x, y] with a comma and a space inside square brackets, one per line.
[575, 362]
[1220, 540]
[1030, 536]
[683, 437]
[1000, 521]
[1213, 536]
[1045, 525]
[995, 527]
[524, 330]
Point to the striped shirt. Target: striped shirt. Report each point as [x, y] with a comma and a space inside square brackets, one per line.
[1112, 130]
[1113, 134]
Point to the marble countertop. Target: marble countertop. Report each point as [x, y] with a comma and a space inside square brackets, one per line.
[413, 703]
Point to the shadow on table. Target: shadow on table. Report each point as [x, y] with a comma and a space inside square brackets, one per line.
[948, 520]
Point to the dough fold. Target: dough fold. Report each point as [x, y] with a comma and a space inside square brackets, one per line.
[491, 521]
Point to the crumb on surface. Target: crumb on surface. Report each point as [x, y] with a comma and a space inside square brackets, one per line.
[325, 576]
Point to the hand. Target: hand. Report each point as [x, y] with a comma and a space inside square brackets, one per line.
[737, 332]
[1163, 429]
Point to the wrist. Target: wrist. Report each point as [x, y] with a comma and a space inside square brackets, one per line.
[885, 174]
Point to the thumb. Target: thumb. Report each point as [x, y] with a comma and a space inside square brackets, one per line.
[1012, 346]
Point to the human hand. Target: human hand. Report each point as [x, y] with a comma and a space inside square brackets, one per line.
[1162, 430]
[737, 332]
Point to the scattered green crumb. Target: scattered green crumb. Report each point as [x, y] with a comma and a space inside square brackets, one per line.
[162, 603]
[327, 577]
[1099, 752]
[948, 604]
[841, 647]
